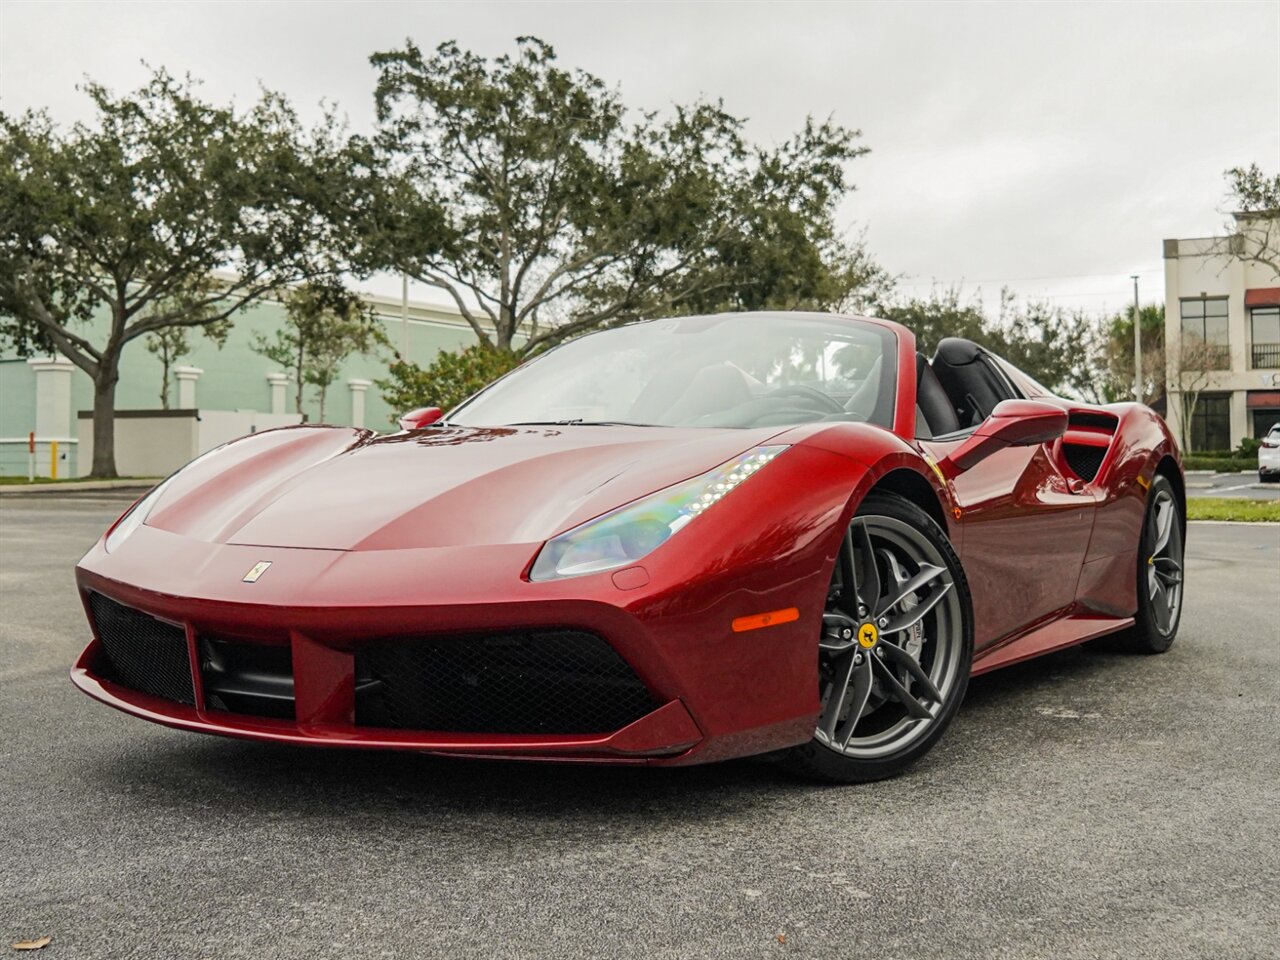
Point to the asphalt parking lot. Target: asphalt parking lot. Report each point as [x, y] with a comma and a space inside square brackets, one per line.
[1087, 805]
[1202, 483]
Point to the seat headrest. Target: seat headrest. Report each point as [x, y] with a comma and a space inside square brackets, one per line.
[957, 352]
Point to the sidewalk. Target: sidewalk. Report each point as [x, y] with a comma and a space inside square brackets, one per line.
[63, 487]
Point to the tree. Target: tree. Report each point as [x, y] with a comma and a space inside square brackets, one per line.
[171, 344]
[1054, 347]
[127, 220]
[1254, 230]
[325, 324]
[168, 345]
[1114, 361]
[1191, 365]
[448, 380]
[523, 191]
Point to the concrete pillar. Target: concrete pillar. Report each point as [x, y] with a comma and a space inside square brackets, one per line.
[358, 389]
[53, 397]
[279, 382]
[187, 377]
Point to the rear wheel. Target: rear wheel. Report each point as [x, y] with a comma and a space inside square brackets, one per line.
[895, 649]
[1160, 561]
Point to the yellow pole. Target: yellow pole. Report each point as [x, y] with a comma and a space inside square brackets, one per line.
[53, 459]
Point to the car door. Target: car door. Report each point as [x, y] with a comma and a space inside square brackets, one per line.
[1025, 527]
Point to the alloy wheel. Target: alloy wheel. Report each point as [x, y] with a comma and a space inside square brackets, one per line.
[1163, 540]
[892, 641]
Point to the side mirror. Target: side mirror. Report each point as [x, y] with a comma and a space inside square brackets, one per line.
[1013, 423]
[422, 417]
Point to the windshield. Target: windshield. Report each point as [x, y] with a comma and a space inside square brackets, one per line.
[732, 370]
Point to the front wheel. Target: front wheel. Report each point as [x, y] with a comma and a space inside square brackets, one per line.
[895, 649]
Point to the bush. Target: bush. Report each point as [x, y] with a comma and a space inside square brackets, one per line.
[447, 381]
[1221, 463]
[1248, 447]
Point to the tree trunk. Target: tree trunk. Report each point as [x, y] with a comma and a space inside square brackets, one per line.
[298, 375]
[164, 382]
[104, 420]
[504, 334]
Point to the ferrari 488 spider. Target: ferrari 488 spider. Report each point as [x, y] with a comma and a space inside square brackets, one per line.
[671, 542]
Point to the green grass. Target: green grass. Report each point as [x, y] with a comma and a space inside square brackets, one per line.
[1233, 508]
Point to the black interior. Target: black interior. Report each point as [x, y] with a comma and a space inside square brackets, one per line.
[935, 416]
[970, 380]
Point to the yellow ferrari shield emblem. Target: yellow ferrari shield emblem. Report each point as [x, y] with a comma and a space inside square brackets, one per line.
[868, 635]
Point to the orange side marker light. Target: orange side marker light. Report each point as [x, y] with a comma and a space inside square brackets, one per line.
[770, 619]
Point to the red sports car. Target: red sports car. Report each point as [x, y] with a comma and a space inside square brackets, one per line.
[672, 542]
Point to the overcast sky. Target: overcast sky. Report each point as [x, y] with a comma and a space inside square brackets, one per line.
[1049, 147]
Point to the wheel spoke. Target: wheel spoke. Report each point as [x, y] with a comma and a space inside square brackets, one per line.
[927, 573]
[1160, 605]
[836, 693]
[848, 599]
[907, 620]
[859, 693]
[834, 627]
[1164, 524]
[900, 693]
[912, 666]
[868, 588]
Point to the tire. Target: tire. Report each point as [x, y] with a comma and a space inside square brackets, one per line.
[1155, 627]
[906, 683]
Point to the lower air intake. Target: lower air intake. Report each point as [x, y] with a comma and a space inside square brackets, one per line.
[545, 681]
[143, 653]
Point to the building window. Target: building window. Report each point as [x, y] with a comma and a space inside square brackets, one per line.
[1205, 343]
[1211, 423]
[1264, 325]
[1264, 420]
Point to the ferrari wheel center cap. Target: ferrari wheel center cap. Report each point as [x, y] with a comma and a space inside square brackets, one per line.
[868, 635]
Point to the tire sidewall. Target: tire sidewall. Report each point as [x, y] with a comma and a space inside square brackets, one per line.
[1146, 635]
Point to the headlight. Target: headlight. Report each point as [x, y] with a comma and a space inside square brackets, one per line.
[629, 533]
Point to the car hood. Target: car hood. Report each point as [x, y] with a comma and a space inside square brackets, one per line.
[336, 489]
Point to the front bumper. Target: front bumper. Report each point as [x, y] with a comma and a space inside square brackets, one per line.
[715, 694]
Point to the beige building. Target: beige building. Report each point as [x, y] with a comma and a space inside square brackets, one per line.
[1222, 334]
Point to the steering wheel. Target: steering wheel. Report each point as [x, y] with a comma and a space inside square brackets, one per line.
[811, 393]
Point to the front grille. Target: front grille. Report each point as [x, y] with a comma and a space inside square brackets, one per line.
[1084, 459]
[243, 677]
[545, 681]
[143, 653]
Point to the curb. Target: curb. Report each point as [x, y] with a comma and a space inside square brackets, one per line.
[90, 486]
[1242, 523]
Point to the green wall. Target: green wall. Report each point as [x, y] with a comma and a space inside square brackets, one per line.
[234, 378]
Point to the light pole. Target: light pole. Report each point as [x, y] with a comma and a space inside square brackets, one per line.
[1137, 345]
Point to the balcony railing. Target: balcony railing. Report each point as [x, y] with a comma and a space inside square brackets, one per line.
[1266, 355]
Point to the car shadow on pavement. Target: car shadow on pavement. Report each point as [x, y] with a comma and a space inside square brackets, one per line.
[212, 772]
